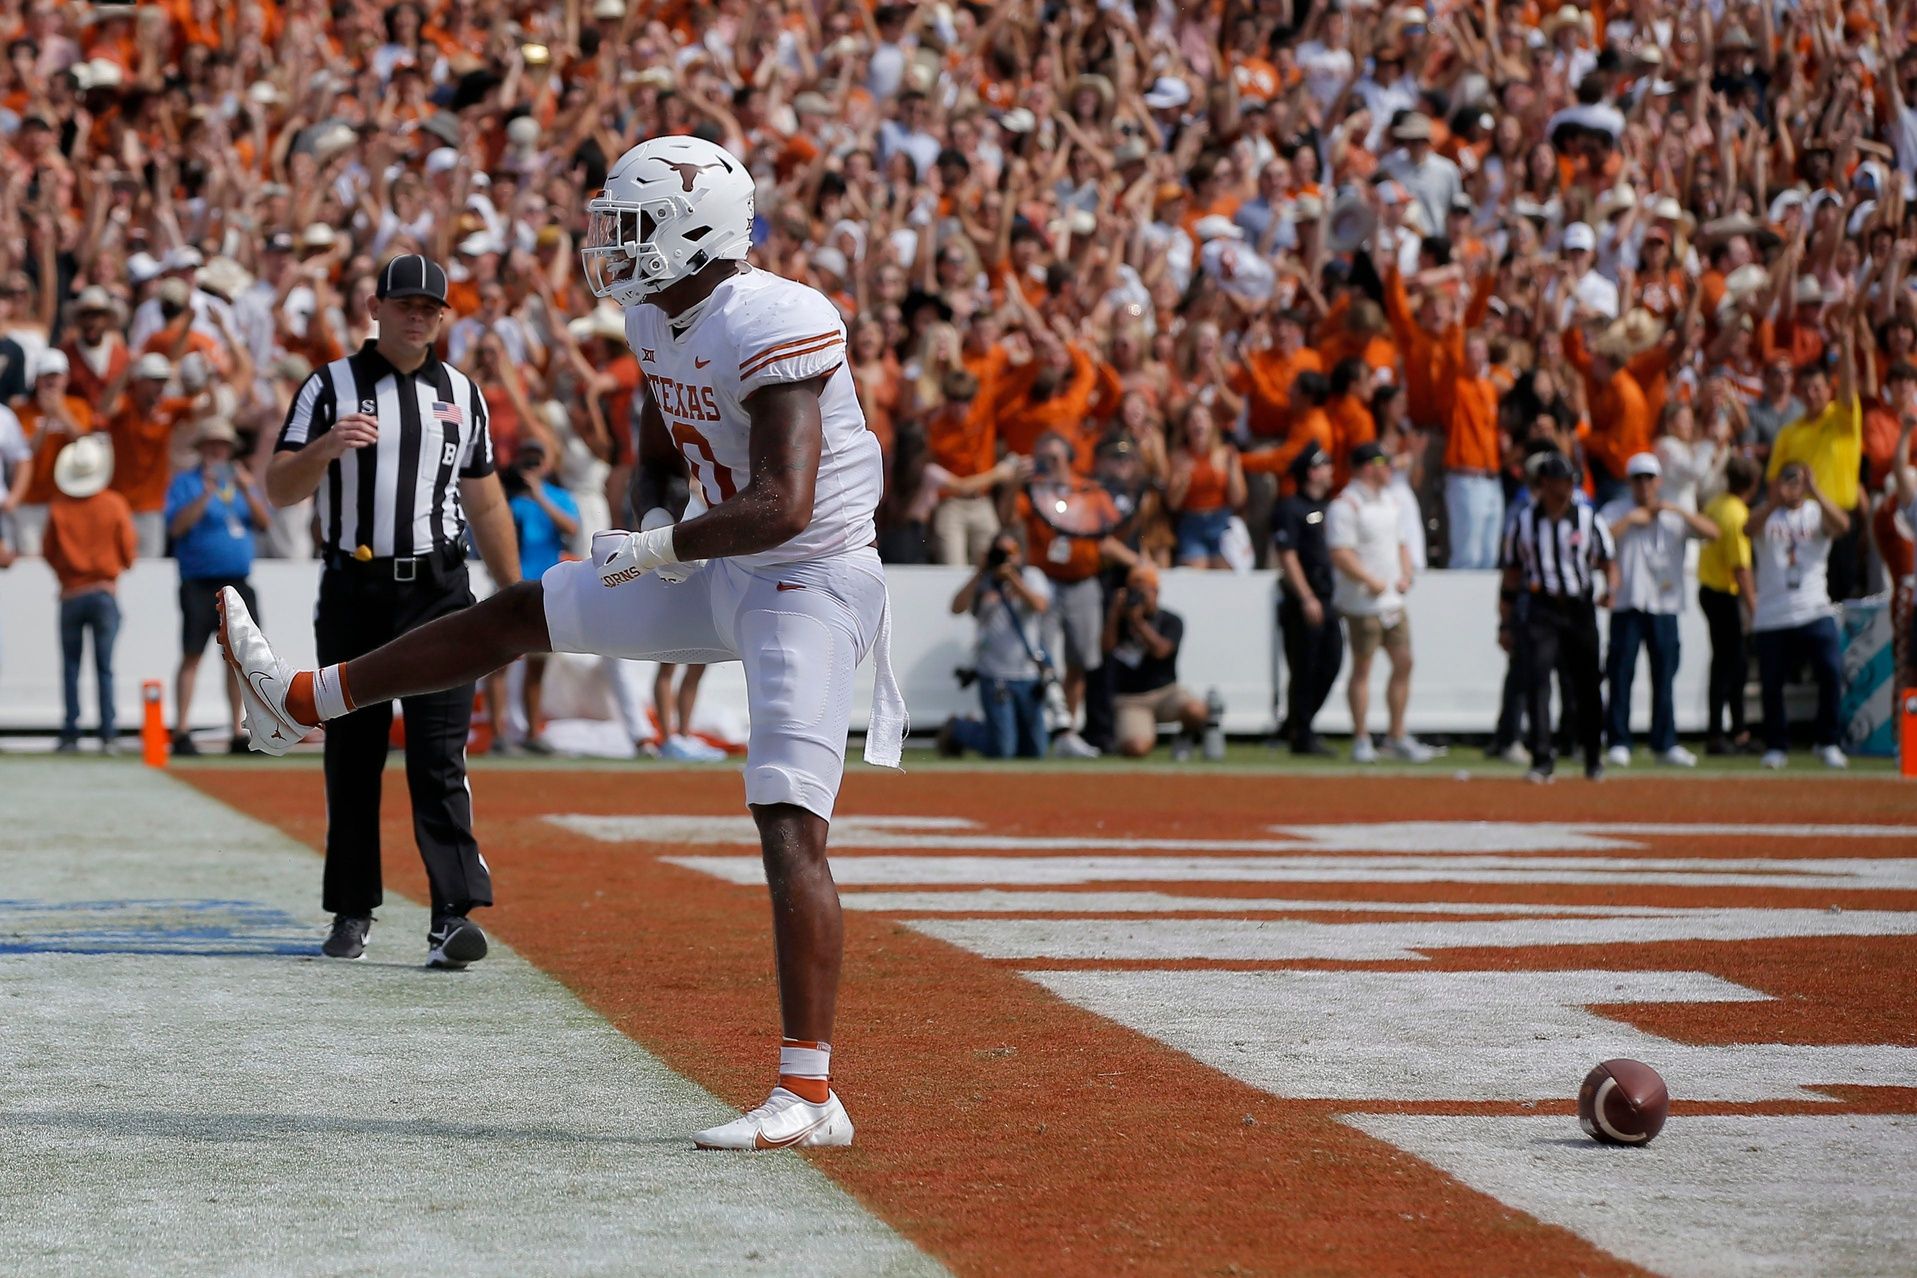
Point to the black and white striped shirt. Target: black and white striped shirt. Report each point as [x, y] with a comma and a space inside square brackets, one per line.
[397, 497]
[1563, 558]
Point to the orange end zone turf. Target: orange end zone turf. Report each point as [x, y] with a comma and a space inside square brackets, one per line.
[1001, 1127]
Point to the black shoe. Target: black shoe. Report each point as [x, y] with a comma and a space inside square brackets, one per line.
[1313, 745]
[68, 745]
[454, 942]
[239, 744]
[347, 940]
[183, 747]
[1719, 746]
[1594, 772]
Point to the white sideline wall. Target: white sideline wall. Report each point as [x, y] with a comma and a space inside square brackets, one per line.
[1231, 643]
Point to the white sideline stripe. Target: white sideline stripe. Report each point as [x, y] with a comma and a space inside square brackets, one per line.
[1248, 940]
[1053, 871]
[1711, 1196]
[1539, 836]
[993, 901]
[860, 831]
[1417, 837]
[274, 1115]
[1437, 1036]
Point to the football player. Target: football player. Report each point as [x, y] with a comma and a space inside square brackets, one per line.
[747, 393]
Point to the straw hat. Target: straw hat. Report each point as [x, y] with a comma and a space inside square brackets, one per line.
[215, 430]
[84, 467]
[604, 321]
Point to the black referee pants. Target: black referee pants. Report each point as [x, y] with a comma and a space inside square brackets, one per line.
[1313, 655]
[360, 609]
[1561, 636]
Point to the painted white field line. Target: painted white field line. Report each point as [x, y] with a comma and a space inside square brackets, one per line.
[180, 1092]
[995, 901]
[1051, 871]
[1420, 837]
[1436, 1036]
[1550, 836]
[1712, 1197]
[1248, 940]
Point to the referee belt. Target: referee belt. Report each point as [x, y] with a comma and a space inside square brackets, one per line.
[400, 568]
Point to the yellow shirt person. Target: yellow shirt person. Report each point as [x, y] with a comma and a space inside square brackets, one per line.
[1718, 563]
[1831, 444]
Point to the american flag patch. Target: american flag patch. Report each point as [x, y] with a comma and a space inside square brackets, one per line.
[444, 412]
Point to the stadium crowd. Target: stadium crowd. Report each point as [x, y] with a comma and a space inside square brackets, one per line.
[1183, 248]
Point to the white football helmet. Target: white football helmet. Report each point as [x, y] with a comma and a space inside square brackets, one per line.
[671, 205]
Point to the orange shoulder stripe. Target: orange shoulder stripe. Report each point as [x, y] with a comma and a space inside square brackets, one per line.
[772, 357]
[781, 348]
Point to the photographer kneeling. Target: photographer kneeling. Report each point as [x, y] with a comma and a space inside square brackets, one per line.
[1142, 640]
[1008, 597]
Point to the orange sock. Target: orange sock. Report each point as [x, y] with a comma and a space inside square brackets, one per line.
[299, 699]
[805, 1069]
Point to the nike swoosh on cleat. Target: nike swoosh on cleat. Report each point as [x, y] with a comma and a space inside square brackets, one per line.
[760, 1142]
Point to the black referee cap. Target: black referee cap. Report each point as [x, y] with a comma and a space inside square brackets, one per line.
[412, 276]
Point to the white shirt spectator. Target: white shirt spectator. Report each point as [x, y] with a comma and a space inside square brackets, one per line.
[13, 446]
[1325, 70]
[1693, 472]
[922, 147]
[147, 319]
[885, 71]
[1367, 521]
[1239, 269]
[1433, 184]
[1650, 560]
[1791, 553]
[1002, 654]
[1410, 519]
[1175, 246]
[514, 334]
[1384, 101]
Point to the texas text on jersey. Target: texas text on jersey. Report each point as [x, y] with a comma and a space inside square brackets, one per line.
[756, 330]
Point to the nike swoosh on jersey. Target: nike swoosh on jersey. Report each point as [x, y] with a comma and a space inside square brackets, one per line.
[700, 363]
[786, 585]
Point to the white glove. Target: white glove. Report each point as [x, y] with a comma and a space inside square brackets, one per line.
[627, 556]
[677, 571]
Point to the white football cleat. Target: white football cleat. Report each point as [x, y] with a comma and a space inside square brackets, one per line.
[786, 1121]
[264, 678]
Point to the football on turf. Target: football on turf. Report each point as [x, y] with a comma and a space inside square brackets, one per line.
[1623, 1102]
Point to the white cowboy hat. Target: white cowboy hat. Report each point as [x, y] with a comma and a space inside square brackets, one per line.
[1352, 223]
[84, 467]
[603, 321]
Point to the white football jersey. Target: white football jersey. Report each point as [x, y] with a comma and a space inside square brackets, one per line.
[758, 329]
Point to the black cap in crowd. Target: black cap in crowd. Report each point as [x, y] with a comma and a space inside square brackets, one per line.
[412, 276]
[1365, 454]
[1551, 465]
[1311, 455]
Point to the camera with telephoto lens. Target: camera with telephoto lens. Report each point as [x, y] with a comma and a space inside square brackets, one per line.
[996, 557]
[965, 675]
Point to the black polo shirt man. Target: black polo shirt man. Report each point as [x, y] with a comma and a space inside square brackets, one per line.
[1314, 646]
[393, 444]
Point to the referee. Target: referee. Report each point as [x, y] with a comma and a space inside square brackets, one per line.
[1555, 552]
[380, 436]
